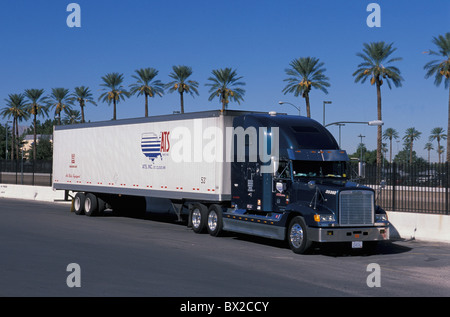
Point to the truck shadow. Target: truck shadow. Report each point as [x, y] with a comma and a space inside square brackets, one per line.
[331, 249]
[325, 249]
[345, 249]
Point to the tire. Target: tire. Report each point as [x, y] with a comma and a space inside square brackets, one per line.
[198, 218]
[214, 223]
[78, 203]
[90, 205]
[297, 236]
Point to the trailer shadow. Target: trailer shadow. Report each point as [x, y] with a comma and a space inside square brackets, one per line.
[159, 217]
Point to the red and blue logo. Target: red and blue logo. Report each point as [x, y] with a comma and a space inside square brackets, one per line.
[153, 145]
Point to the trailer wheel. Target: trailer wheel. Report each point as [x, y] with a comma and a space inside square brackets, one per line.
[198, 217]
[78, 203]
[90, 205]
[214, 221]
[297, 236]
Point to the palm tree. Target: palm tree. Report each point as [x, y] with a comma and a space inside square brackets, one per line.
[61, 101]
[114, 91]
[36, 107]
[83, 95]
[226, 85]
[440, 150]
[306, 73]
[440, 69]
[411, 135]
[72, 117]
[390, 134]
[15, 108]
[429, 147]
[438, 134]
[146, 86]
[376, 66]
[181, 83]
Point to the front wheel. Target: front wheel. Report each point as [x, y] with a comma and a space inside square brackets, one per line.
[297, 236]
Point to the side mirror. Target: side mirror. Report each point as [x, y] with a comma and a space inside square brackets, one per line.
[275, 165]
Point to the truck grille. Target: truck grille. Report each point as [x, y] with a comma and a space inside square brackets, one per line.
[356, 207]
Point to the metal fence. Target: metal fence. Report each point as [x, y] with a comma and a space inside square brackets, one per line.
[420, 188]
[407, 187]
[26, 172]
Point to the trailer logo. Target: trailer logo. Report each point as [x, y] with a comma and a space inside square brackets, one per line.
[153, 146]
[72, 161]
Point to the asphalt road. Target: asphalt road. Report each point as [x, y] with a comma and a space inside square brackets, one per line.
[120, 256]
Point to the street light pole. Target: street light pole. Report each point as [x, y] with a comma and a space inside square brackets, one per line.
[361, 144]
[325, 102]
[283, 102]
[371, 123]
[340, 125]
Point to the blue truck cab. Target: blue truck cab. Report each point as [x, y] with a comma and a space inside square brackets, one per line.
[306, 197]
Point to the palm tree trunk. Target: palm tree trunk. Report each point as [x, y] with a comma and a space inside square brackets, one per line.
[448, 127]
[17, 139]
[82, 113]
[379, 132]
[308, 109]
[114, 111]
[34, 137]
[439, 154]
[390, 150]
[13, 138]
[411, 151]
[181, 102]
[146, 105]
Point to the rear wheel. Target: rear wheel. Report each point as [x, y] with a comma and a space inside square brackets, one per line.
[78, 203]
[297, 236]
[198, 217]
[90, 205]
[214, 222]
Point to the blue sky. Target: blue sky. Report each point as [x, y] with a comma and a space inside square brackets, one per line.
[257, 38]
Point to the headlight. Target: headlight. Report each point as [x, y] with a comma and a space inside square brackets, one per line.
[324, 218]
[381, 217]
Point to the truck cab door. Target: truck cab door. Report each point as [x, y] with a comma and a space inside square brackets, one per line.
[282, 182]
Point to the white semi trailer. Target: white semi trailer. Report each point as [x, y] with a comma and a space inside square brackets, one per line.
[276, 176]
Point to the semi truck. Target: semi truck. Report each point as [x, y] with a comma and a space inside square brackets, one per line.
[271, 175]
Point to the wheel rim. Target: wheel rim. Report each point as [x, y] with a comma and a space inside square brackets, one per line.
[212, 220]
[77, 203]
[87, 205]
[296, 235]
[196, 218]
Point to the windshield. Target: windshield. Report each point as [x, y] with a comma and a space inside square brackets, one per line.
[331, 169]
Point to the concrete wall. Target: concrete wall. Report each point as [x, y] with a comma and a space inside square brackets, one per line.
[42, 193]
[404, 225]
[419, 226]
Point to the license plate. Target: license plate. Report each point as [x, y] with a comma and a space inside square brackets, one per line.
[357, 244]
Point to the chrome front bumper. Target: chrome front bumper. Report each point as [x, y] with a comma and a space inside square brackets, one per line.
[334, 234]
